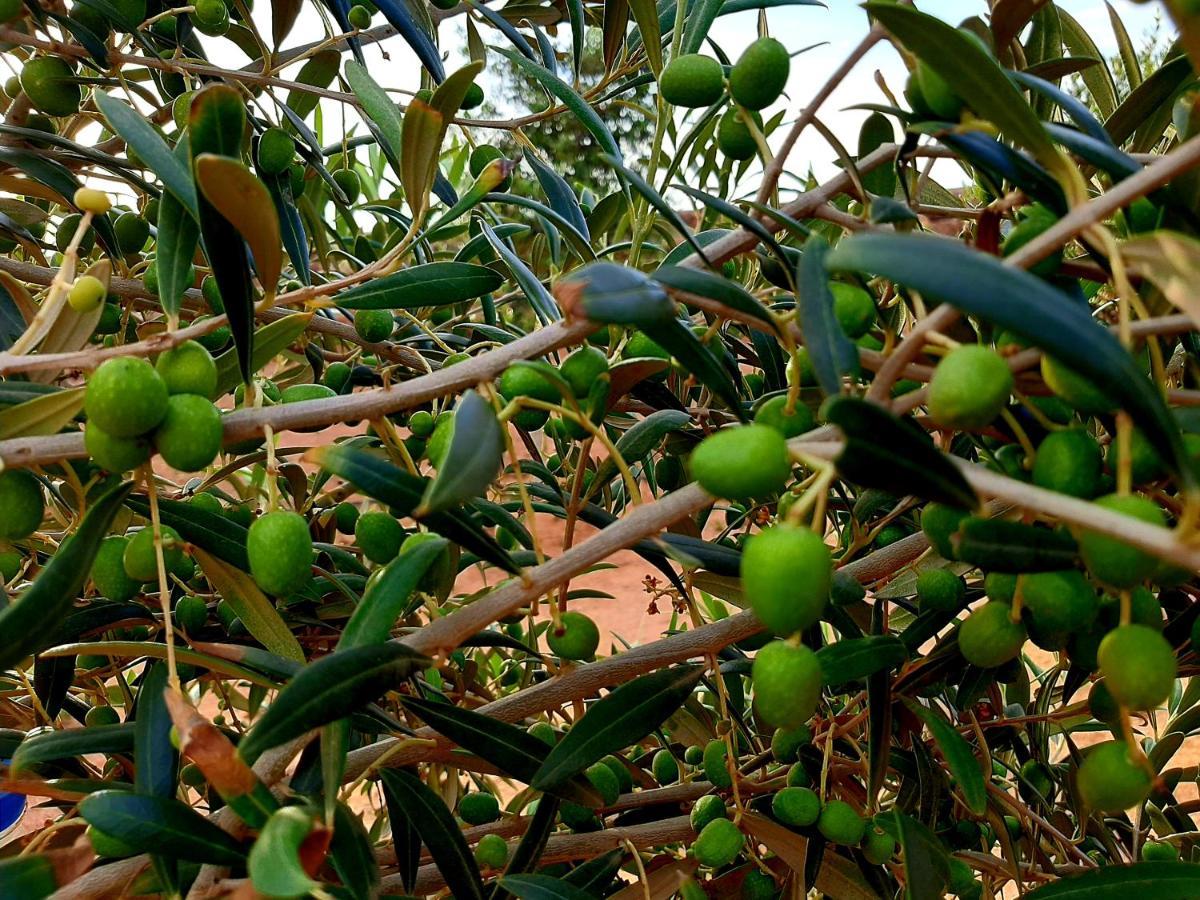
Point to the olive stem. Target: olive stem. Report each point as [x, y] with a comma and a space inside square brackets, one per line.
[164, 588]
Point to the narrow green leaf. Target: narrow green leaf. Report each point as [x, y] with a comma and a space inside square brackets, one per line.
[855, 658]
[48, 599]
[141, 137]
[269, 341]
[508, 748]
[1000, 545]
[579, 107]
[44, 414]
[542, 887]
[716, 288]
[252, 606]
[318, 71]
[958, 755]
[389, 484]
[1147, 880]
[211, 532]
[378, 106]
[156, 759]
[429, 817]
[351, 853]
[697, 359]
[833, 354]
[976, 76]
[421, 286]
[405, 839]
[700, 18]
[620, 719]
[388, 595]
[639, 440]
[178, 235]
[473, 459]
[645, 14]
[1149, 97]
[980, 285]
[51, 745]
[531, 286]
[30, 877]
[1097, 79]
[161, 825]
[883, 451]
[926, 863]
[329, 689]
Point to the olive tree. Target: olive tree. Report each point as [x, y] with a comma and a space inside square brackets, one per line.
[292, 421]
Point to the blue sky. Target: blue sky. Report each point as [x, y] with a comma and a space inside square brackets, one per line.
[843, 24]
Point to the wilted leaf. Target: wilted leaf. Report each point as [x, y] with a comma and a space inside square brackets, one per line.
[244, 201]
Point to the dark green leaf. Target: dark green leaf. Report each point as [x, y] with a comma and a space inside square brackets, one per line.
[473, 459]
[378, 106]
[976, 76]
[73, 742]
[533, 842]
[30, 877]
[351, 853]
[640, 440]
[1097, 79]
[178, 235]
[428, 815]
[1000, 545]
[141, 137]
[697, 24]
[849, 660]
[22, 622]
[328, 689]
[716, 288]
[886, 452]
[926, 864]
[1145, 880]
[155, 757]
[209, 531]
[161, 825]
[576, 104]
[697, 359]
[618, 720]
[833, 354]
[981, 285]
[269, 342]
[1151, 95]
[562, 199]
[393, 486]
[614, 294]
[405, 839]
[531, 286]
[958, 756]
[388, 595]
[542, 887]
[508, 748]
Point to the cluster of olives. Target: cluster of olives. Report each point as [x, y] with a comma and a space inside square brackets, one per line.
[719, 841]
[135, 408]
[755, 82]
